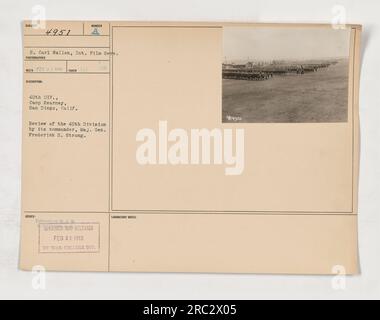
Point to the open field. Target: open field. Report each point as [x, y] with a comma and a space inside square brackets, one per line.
[320, 96]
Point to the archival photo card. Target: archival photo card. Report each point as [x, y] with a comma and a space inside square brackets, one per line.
[127, 167]
[285, 75]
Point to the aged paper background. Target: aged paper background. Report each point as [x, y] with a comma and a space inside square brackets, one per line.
[86, 200]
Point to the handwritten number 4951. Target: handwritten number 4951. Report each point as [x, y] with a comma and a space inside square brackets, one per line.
[58, 32]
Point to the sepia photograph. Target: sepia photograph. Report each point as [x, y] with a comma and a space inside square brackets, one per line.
[285, 75]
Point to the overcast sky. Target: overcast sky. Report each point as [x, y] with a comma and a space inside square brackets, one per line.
[264, 43]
